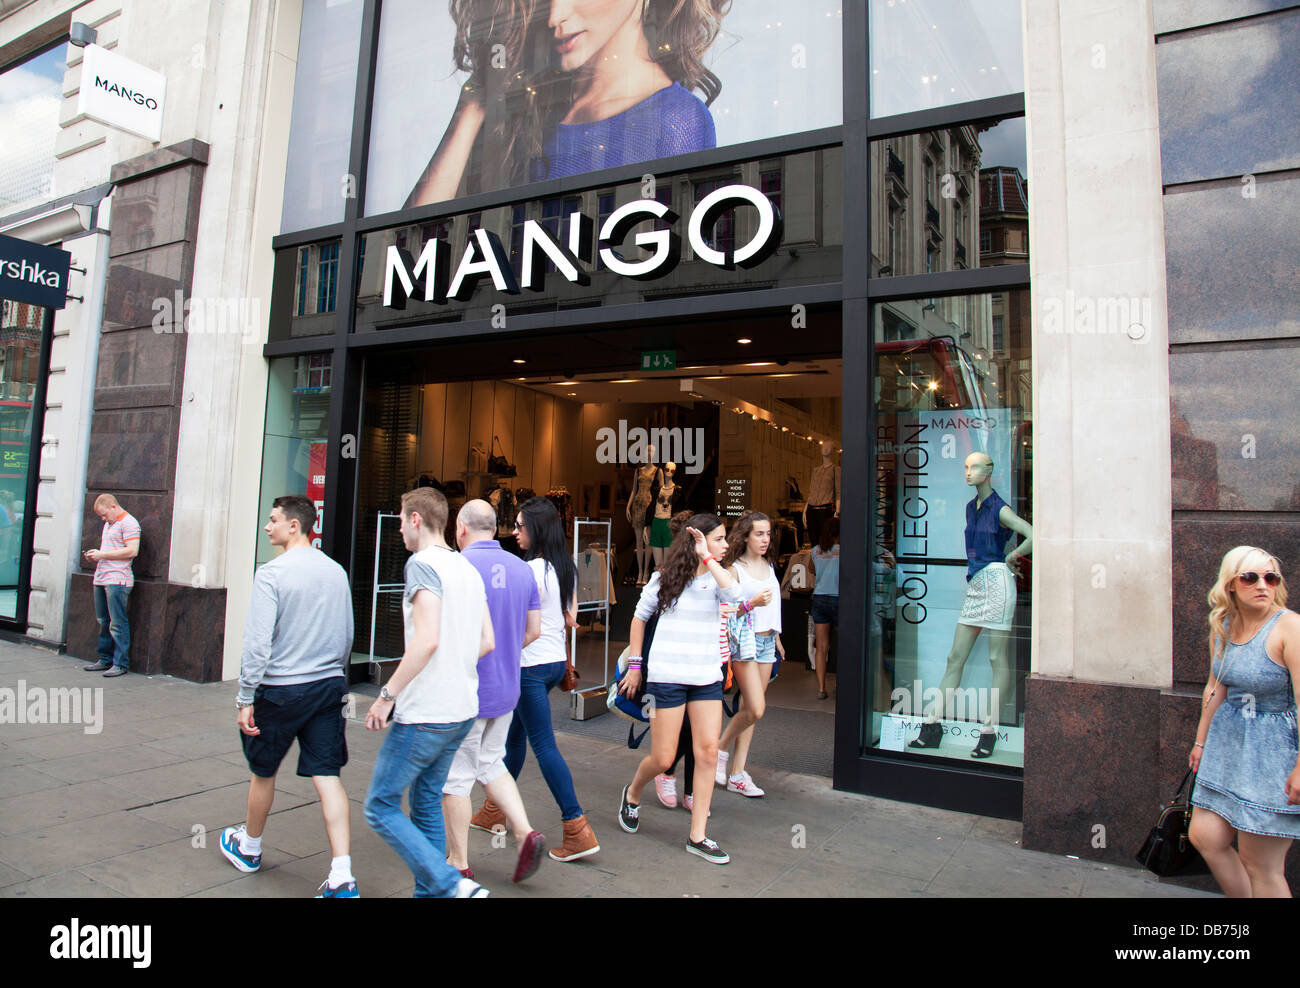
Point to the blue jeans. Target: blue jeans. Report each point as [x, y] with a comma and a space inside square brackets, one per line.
[419, 756]
[114, 629]
[533, 721]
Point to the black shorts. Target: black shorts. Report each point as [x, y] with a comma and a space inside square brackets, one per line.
[311, 712]
[670, 695]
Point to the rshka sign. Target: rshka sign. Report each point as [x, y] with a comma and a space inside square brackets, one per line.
[429, 276]
[33, 273]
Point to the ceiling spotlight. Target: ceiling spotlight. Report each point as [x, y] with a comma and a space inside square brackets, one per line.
[744, 339]
[520, 360]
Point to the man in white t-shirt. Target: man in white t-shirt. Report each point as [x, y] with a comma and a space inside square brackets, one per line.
[431, 698]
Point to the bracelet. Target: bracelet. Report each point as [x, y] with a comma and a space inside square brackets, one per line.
[746, 607]
[1198, 745]
[634, 662]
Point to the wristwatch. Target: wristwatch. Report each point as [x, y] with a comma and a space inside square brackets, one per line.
[241, 704]
[385, 695]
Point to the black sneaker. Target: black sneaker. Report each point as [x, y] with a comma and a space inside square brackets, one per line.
[628, 815]
[708, 850]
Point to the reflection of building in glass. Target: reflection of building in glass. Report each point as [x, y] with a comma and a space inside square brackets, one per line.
[923, 186]
[20, 349]
[1004, 239]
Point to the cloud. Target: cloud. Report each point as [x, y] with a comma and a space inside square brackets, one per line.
[29, 105]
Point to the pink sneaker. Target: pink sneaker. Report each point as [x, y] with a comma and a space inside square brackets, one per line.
[688, 804]
[666, 788]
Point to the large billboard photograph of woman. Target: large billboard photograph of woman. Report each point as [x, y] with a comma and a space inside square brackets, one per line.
[492, 94]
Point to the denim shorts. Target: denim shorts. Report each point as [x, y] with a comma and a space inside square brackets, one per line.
[310, 712]
[669, 695]
[764, 649]
[825, 609]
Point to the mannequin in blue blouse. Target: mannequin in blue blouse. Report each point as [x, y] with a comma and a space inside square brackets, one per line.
[986, 540]
[625, 107]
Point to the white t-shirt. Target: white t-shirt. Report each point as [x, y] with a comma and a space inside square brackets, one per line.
[445, 691]
[767, 617]
[550, 647]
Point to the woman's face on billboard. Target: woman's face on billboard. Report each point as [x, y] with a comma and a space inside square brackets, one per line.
[582, 29]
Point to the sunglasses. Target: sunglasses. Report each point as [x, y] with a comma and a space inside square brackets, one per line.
[1250, 578]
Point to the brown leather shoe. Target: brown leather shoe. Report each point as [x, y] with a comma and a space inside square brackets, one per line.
[490, 818]
[579, 841]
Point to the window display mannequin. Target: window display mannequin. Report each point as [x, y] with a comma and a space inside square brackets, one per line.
[990, 602]
[823, 495]
[647, 475]
[661, 536]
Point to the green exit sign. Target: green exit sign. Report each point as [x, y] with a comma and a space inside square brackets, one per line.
[654, 360]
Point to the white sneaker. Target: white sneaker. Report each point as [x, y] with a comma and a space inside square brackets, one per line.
[720, 776]
[467, 888]
[744, 785]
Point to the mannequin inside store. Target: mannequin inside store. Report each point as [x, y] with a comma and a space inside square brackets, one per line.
[748, 416]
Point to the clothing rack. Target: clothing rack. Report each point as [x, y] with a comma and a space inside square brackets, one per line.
[593, 528]
[376, 587]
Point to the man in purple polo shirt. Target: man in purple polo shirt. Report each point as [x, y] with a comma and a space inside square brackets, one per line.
[516, 612]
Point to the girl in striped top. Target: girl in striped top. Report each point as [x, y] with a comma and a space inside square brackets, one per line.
[685, 674]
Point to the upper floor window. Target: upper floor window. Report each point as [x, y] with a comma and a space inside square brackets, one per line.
[30, 96]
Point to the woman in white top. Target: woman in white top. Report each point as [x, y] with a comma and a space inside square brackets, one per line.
[684, 674]
[748, 557]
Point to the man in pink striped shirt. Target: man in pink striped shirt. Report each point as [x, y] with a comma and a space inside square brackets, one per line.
[119, 543]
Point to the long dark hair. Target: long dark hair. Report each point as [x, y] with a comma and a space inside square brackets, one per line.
[680, 561]
[829, 534]
[739, 535]
[546, 540]
[525, 96]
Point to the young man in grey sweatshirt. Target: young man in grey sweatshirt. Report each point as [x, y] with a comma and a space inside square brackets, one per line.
[293, 684]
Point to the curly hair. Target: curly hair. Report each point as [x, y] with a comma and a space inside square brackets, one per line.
[505, 46]
[1223, 603]
[739, 536]
[680, 561]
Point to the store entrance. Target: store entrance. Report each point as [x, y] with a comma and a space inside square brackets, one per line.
[617, 428]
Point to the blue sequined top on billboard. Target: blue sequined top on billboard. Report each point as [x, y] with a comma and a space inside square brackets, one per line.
[672, 121]
[986, 539]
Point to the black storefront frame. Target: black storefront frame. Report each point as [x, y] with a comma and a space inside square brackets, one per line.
[908, 778]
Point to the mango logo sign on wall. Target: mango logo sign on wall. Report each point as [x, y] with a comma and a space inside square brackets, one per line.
[484, 256]
[121, 93]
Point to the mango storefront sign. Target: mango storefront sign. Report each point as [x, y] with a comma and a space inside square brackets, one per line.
[120, 93]
[484, 256]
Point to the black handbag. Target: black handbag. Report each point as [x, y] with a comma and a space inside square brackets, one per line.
[1167, 850]
[499, 465]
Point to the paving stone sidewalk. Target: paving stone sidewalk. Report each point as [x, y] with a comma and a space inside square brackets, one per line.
[136, 810]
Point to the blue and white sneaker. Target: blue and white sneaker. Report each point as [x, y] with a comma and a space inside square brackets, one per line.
[230, 847]
[348, 890]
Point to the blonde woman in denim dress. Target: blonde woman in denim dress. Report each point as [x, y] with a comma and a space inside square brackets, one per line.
[1247, 755]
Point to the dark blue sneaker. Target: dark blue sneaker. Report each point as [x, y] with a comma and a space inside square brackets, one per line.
[230, 848]
[348, 890]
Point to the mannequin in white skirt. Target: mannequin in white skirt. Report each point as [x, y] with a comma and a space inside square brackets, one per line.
[990, 603]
